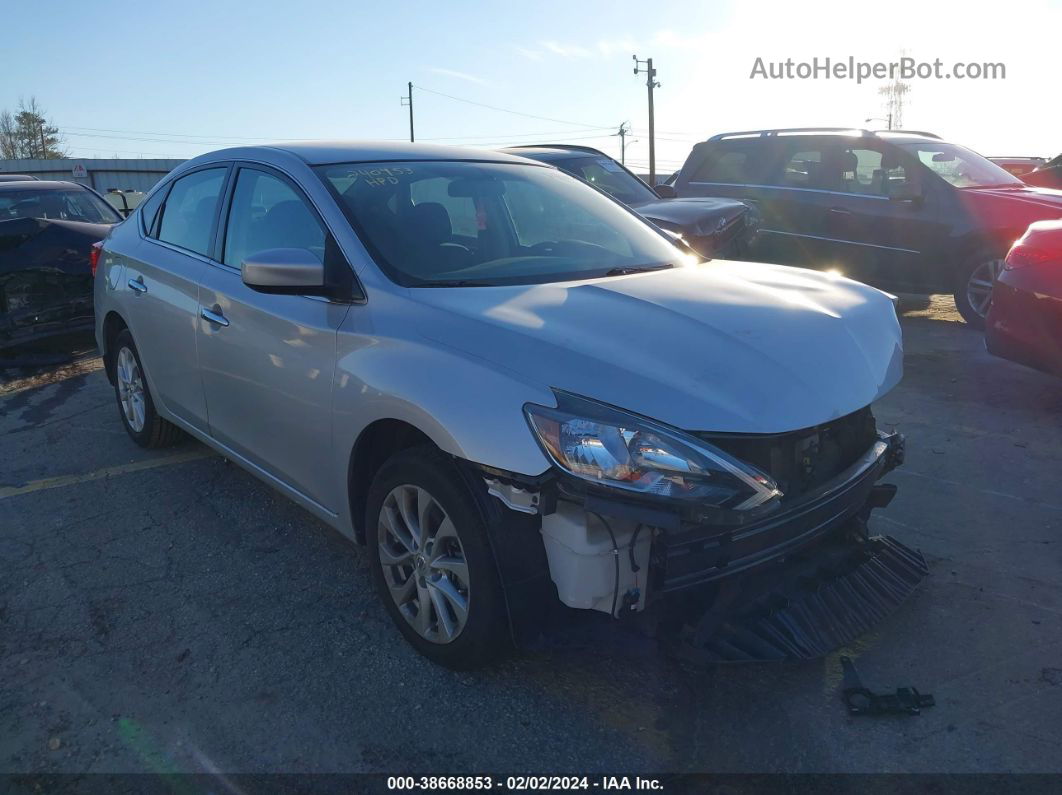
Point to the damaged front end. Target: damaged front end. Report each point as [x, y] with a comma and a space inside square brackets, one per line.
[732, 546]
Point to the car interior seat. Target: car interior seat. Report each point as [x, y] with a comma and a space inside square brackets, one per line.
[289, 224]
[431, 239]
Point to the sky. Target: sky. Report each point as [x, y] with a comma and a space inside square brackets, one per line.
[174, 79]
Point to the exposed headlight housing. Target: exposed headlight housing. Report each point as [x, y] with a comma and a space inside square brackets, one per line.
[611, 447]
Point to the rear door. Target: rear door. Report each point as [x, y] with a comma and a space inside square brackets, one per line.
[267, 360]
[161, 286]
[799, 203]
[742, 168]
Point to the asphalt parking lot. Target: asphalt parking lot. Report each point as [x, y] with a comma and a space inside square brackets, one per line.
[164, 611]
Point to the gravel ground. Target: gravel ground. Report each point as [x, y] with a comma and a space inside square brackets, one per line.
[164, 611]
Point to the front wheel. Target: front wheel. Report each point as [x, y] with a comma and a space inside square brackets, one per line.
[973, 288]
[431, 560]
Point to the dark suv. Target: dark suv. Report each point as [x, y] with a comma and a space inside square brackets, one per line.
[904, 211]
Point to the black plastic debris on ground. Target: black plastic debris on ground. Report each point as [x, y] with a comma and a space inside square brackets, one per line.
[860, 700]
[818, 613]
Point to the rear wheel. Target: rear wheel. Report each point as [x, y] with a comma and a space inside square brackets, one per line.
[135, 405]
[431, 560]
[973, 288]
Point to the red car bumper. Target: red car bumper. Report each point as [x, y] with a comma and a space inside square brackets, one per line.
[1025, 321]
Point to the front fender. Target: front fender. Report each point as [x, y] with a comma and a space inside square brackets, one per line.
[466, 406]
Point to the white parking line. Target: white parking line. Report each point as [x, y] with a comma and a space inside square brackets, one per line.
[107, 472]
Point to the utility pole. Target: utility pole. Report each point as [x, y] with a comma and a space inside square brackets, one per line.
[650, 83]
[408, 100]
[44, 148]
[624, 131]
[895, 95]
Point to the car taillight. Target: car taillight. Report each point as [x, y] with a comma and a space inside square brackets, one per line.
[94, 256]
[1022, 255]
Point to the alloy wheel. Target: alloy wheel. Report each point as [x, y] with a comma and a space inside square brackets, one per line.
[423, 563]
[130, 389]
[979, 285]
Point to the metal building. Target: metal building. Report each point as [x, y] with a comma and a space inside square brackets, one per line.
[101, 174]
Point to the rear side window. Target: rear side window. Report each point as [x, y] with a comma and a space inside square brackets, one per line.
[190, 208]
[149, 211]
[268, 213]
[735, 163]
[802, 169]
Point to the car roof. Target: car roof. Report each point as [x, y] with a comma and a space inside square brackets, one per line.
[317, 153]
[40, 184]
[554, 151]
[896, 136]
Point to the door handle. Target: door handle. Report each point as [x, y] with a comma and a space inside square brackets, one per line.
[137, 285]
[213, 317]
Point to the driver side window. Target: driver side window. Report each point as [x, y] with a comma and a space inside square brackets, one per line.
[871, 172]
[268, 213]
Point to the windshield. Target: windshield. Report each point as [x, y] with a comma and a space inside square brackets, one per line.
[477, 224]
[609, 176]
[959, 166]
[68, 205]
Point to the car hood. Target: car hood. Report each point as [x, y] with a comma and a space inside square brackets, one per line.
[693, 216]
[1043, 203]
[721, 346]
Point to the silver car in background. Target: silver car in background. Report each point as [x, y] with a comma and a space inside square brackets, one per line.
[515, 391]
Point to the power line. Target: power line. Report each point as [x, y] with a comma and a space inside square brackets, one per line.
[507, 110]
[186, 135]
[98, 149]
[517, 135]
[216, 142]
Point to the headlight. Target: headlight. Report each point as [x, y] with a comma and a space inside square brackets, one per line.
[604, 445]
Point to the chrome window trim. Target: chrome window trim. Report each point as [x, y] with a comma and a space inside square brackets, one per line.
[788, 187]
[838, 240]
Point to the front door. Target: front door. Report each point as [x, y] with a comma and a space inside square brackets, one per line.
[267, 360]
[882, 233]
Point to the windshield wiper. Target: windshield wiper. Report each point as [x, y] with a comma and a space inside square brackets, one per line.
[455, 283]
[624, 270]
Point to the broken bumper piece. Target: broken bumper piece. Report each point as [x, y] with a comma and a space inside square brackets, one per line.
[820, 602]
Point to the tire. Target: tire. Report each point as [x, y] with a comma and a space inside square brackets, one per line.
[135, 404]
[429, 570]
[973, 287]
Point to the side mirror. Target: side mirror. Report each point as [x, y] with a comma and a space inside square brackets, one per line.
[284, 270]
[665, 191]
[905, 192]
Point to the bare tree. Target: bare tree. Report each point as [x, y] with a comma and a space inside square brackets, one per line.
[28, 133]
[9, 149]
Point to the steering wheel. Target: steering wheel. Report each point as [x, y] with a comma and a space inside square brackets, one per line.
[559, 248]
[457, 246]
